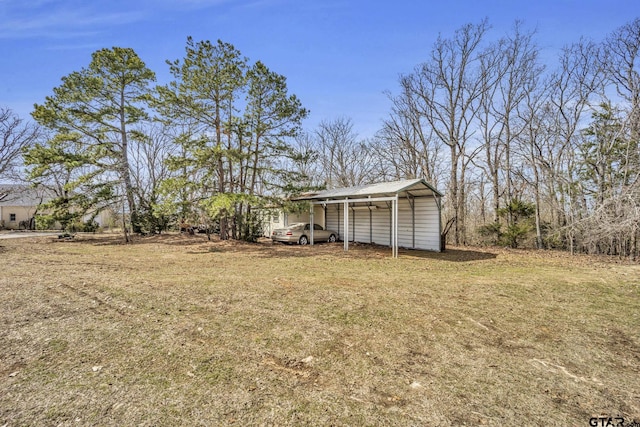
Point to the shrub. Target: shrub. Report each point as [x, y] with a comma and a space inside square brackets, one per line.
[519, 216]
[45, 222]
[491, 233]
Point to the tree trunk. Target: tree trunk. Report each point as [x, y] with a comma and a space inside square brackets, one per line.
[453, 191]
[539, 242]
[125, 173]
[224, 232]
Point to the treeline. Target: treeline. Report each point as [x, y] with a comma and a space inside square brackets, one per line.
[527, 153]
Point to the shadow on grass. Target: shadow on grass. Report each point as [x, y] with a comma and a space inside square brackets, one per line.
[172, 239]
[357, 250]
[453, 255]
[198, 244]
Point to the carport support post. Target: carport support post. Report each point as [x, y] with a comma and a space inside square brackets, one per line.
[346, 225]
[394, 222]
[311, 225]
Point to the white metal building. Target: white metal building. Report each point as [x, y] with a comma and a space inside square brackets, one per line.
[397, 214]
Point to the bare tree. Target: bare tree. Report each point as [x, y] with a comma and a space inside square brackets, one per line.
[509, 73]
[573, 87]
[613, 227]
[543, 137]
[15, 137]
[148, 159]
[346, 160]
[406, 146]
[605, 217]
[494, 66]
[448, 89]
[620, 58]
[535, 118]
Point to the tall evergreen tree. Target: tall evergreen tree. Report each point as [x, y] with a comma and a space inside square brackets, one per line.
[98, 107]
[603, 154]
[207, 82]
[240, 118]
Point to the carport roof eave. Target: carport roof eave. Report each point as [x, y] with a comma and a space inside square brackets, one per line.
[352, 200]
[422, 181]
[380, 190]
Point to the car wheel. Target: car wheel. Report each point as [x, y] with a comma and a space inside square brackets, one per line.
[332, 238]
[303, 240]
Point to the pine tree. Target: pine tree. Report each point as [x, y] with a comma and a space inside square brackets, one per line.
[240, 118]
[98, 108]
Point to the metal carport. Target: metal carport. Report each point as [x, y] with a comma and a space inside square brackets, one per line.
[409, 210]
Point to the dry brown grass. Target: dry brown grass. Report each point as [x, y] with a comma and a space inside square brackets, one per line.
[175, 330]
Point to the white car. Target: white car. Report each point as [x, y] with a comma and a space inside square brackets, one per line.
[300, 233]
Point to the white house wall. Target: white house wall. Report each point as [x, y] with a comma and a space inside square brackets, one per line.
[22, 213]
[271, 220]
[276, 218]
[318, 216]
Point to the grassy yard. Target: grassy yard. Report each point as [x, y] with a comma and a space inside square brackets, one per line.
[175, 330]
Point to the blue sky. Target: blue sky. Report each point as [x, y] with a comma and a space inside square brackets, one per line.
[339, 56]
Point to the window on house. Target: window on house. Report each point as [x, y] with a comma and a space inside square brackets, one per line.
[12, 217]
[276, 217]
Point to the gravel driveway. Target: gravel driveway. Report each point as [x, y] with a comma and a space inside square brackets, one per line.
[25, 234]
